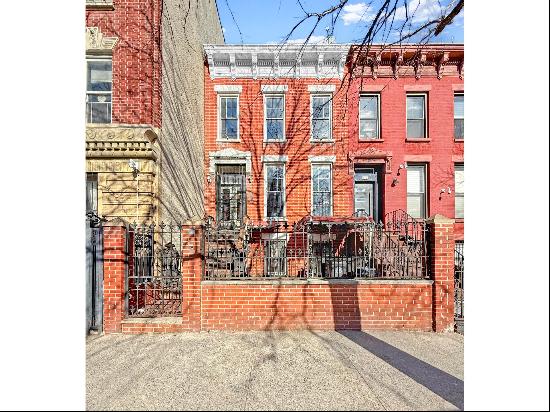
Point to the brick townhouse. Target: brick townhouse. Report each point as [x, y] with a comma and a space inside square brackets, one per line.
[289, 133]
[144, 71]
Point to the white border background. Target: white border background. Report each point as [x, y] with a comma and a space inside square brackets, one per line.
[42, 170]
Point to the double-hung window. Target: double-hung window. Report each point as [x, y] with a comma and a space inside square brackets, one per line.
[274, 118]
[321, 181]
[275, 191]
[369, 118]
[459, 116]
[459, 191]
[416, 116]
[416, 190]
[99, 89]
[321, 117]
[229, 117]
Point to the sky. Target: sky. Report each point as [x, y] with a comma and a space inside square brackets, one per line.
[269, 21]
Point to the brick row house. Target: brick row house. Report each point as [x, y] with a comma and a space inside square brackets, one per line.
[291, 132]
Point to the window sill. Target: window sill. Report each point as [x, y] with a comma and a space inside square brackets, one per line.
[99, 5]
[322, 141]
[373, 140]
[275, 219]
[275, 141]
[459, 140]
[418, 140]
[459, 220]
[228, 140]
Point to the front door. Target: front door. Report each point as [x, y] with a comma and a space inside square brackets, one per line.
[366, 196]
[230, 194]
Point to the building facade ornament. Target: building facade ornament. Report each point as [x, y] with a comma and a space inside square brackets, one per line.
[371, 154]
[229, 156]
[320, 61]
[121, 142]
[98, 43]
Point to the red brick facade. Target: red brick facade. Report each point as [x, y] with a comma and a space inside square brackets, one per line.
[136, 58]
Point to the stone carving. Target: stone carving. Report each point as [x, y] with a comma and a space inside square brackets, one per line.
[119, 142]
[371, 153]
[97, 42]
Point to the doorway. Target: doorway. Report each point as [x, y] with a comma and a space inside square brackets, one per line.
[367, 191]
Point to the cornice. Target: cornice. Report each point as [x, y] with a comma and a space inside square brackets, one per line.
[121, 142]
[319, 61]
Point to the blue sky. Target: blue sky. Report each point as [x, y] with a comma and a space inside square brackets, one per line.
[268, 21]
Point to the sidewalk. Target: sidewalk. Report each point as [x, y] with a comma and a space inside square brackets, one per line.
[347, 370]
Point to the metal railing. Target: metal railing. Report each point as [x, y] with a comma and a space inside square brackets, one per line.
[459, 283]
[154, 281]
[326, 248]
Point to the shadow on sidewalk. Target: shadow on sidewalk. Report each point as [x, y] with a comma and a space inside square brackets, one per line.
[439, 382]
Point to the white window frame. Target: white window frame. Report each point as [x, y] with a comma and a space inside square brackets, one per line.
[100, 59]
[313, 165]
[426, 189]
[276, 95]
[459, 194]
[219, 116]
[425, 95]
[377, 95]
[311, 97]
[274, 218]
[455, 116]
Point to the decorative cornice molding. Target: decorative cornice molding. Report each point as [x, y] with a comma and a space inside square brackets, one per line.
[322, 159]
[319, 61]
[120, 142]
[98, 43]
[321, 88]
[229, 155]
[228, 88]
[371, 153]
[274, 88]
[274, 159]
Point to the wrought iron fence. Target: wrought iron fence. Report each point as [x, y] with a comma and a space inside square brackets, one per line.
[354, 247]
[154, 283]
[459, 284]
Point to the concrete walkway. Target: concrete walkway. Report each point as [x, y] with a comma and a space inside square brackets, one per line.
[305, 370]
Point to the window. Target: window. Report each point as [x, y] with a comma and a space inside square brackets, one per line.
[459, 116]
[459, 191]
[91, 192]
[368, 117]
[229, 117]
[416, 116]
[275, 256]
[274, 118]
[275, 191]
[99, 86]
[416, 191]
[321, 181]
[321, 114]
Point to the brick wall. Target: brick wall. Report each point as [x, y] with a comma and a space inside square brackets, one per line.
[136, 58]
[297, 146]
[289, 304]
[323, 305]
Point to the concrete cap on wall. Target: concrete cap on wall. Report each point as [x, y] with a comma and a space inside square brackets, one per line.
[117, 221]
[440, 219]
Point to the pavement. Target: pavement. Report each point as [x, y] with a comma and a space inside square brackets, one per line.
[294, 370]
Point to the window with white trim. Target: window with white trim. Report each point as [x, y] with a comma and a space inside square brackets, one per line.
[229, 117]
[99, 90]
[459, 191]
[369, 119]
[274, 124]
[416, 190]
[275, 190]
[459, 115]
[321, 185]
[321, 117]
[416, 116]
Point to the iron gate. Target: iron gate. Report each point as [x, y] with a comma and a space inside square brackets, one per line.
[459, 287]
[94, 273]
[154, 282]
